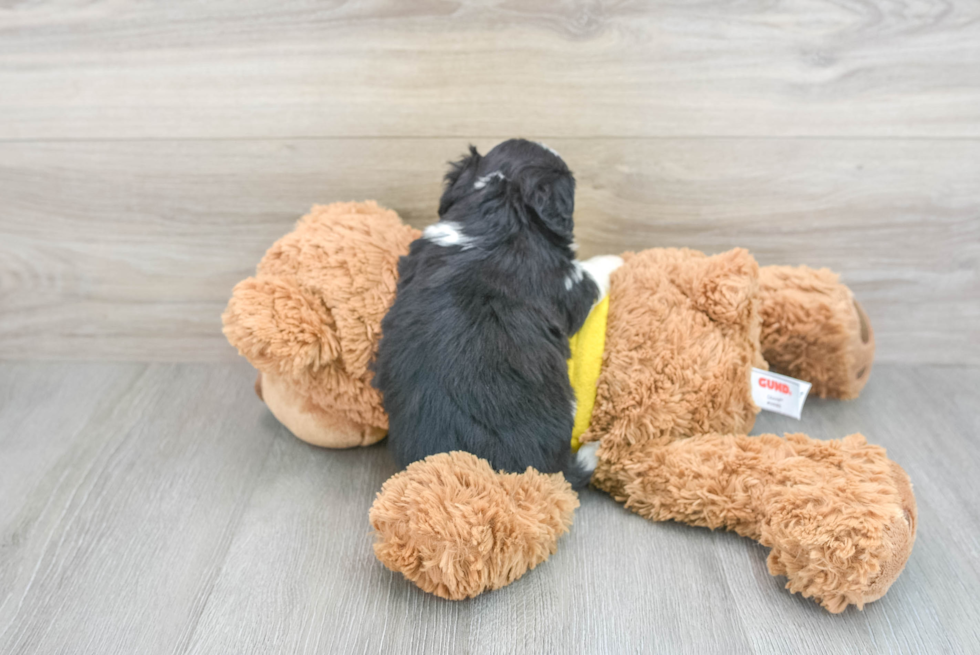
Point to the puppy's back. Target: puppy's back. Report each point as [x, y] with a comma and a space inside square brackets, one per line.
[465, 366]
[474, 349]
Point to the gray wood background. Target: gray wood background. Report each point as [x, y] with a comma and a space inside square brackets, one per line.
[151, 152]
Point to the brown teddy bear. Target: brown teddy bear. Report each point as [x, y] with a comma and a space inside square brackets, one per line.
[664, 404]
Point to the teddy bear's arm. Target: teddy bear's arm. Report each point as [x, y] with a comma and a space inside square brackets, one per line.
[838, 515]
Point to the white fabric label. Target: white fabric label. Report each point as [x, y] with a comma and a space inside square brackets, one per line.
[779, 393]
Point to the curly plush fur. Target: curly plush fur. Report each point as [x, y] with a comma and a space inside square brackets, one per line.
[682, 336]
[838, 515]
[456, 528]
[813, 329]
[681, 339]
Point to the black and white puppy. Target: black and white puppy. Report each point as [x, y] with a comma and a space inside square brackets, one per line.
[473, 350]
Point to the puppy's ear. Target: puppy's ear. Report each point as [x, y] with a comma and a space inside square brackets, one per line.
[459, 179]
[552, 198]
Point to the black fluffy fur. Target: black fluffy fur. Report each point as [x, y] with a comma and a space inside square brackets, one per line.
[474, 348]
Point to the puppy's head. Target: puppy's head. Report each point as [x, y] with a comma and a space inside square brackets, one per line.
[532, 175]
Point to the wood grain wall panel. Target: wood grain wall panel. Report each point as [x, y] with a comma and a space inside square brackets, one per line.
[129, 250]
[233, 68]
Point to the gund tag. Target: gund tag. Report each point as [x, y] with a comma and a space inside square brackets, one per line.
[779, 393]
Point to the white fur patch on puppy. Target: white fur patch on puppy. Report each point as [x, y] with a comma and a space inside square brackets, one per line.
[551, 150]
[600, 268]
[447, 234]
[575, 276]
[586, 456]
[482, 181]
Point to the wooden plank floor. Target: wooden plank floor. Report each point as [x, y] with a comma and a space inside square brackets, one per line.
[160, 509]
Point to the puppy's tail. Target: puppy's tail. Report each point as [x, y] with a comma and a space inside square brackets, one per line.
[581, 464]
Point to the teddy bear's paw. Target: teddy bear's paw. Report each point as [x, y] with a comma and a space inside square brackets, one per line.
[843, 537]
[456, 528]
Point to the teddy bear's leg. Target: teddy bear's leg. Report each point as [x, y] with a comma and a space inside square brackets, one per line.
[839, 516]
[456, 528]
[814, 329]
